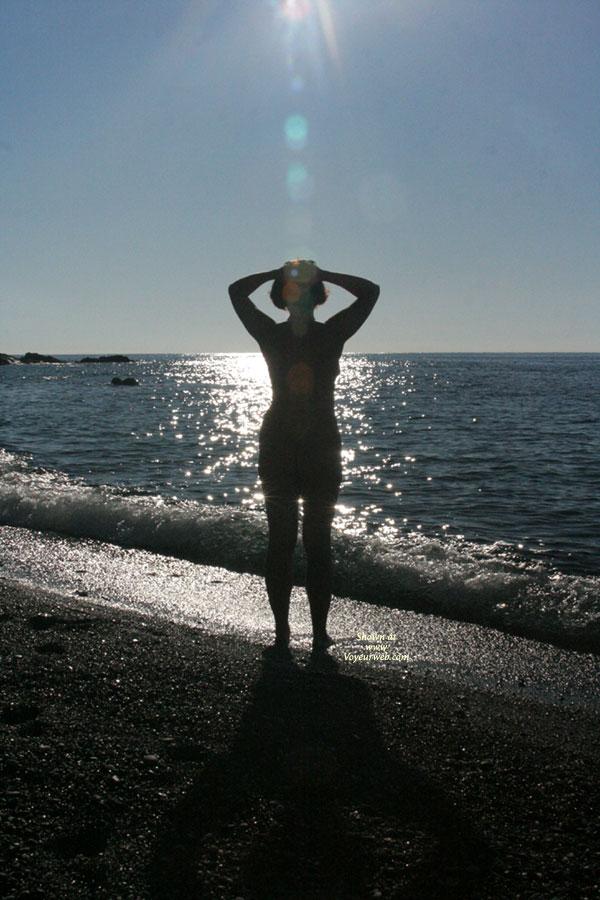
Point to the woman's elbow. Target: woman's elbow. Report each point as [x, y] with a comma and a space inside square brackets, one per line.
[374, 290]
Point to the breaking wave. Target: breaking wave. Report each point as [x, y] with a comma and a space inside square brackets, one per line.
[484, 583]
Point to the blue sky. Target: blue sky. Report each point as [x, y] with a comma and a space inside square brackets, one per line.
[447, 150]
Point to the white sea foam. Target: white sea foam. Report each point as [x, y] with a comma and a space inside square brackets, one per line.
[489, 584]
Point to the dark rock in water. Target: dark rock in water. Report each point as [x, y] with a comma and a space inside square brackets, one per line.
[6, 360]
[117, 358]
[39, 358]
[129, 381]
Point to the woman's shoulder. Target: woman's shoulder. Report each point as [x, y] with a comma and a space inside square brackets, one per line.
[316, 333]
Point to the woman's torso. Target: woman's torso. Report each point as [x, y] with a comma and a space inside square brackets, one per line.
[302, 369]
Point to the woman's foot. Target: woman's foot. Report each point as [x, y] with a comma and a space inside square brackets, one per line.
[278, 655]
[282, 636]
[321, 642]
[279, 651]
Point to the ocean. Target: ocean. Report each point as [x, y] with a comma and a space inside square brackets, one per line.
[471, 481]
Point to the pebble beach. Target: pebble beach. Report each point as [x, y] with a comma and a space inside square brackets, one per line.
[147, 759]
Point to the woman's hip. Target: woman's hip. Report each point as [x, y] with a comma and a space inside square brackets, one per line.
[308, 466]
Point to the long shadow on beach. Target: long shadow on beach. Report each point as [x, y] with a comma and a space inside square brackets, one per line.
[308, 803]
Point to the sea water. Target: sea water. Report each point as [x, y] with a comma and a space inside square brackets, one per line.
[471, 481]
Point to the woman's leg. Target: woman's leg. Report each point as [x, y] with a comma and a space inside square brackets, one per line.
[316, 536]
[282, 516]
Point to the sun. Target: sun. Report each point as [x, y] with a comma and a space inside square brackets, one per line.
[305, 12]
[295, 10]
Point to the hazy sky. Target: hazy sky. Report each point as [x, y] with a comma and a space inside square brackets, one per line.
[153, 151]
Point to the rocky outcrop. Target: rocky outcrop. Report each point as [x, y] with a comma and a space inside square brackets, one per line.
[128, 381]
[39, 358]
[6, 359]
[117, 358]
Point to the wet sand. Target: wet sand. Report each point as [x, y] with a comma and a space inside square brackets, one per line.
[144, 759]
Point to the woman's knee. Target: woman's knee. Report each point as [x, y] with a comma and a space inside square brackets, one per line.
[282, 517]
[317, 543]
[282, 545]
[317, 520]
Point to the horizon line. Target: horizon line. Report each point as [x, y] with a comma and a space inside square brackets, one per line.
[344, 353]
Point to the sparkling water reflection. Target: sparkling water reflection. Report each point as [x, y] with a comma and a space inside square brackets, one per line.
[498, 448]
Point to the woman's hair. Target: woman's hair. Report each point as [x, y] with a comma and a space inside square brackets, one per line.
[318, 293]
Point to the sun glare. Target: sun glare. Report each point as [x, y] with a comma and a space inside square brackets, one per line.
[298, 11]
[295, 10]
[252, 367]
[328, 29]
[309, 28]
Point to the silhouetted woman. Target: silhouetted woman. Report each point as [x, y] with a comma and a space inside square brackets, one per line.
[299, 442]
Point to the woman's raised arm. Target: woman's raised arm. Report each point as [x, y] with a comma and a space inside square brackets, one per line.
[255, 321]
[349, 320]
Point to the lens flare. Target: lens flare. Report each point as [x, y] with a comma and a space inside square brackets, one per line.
[300, 379]
[291, 292]
[296, 132]
[299, 183]
[309, 29]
